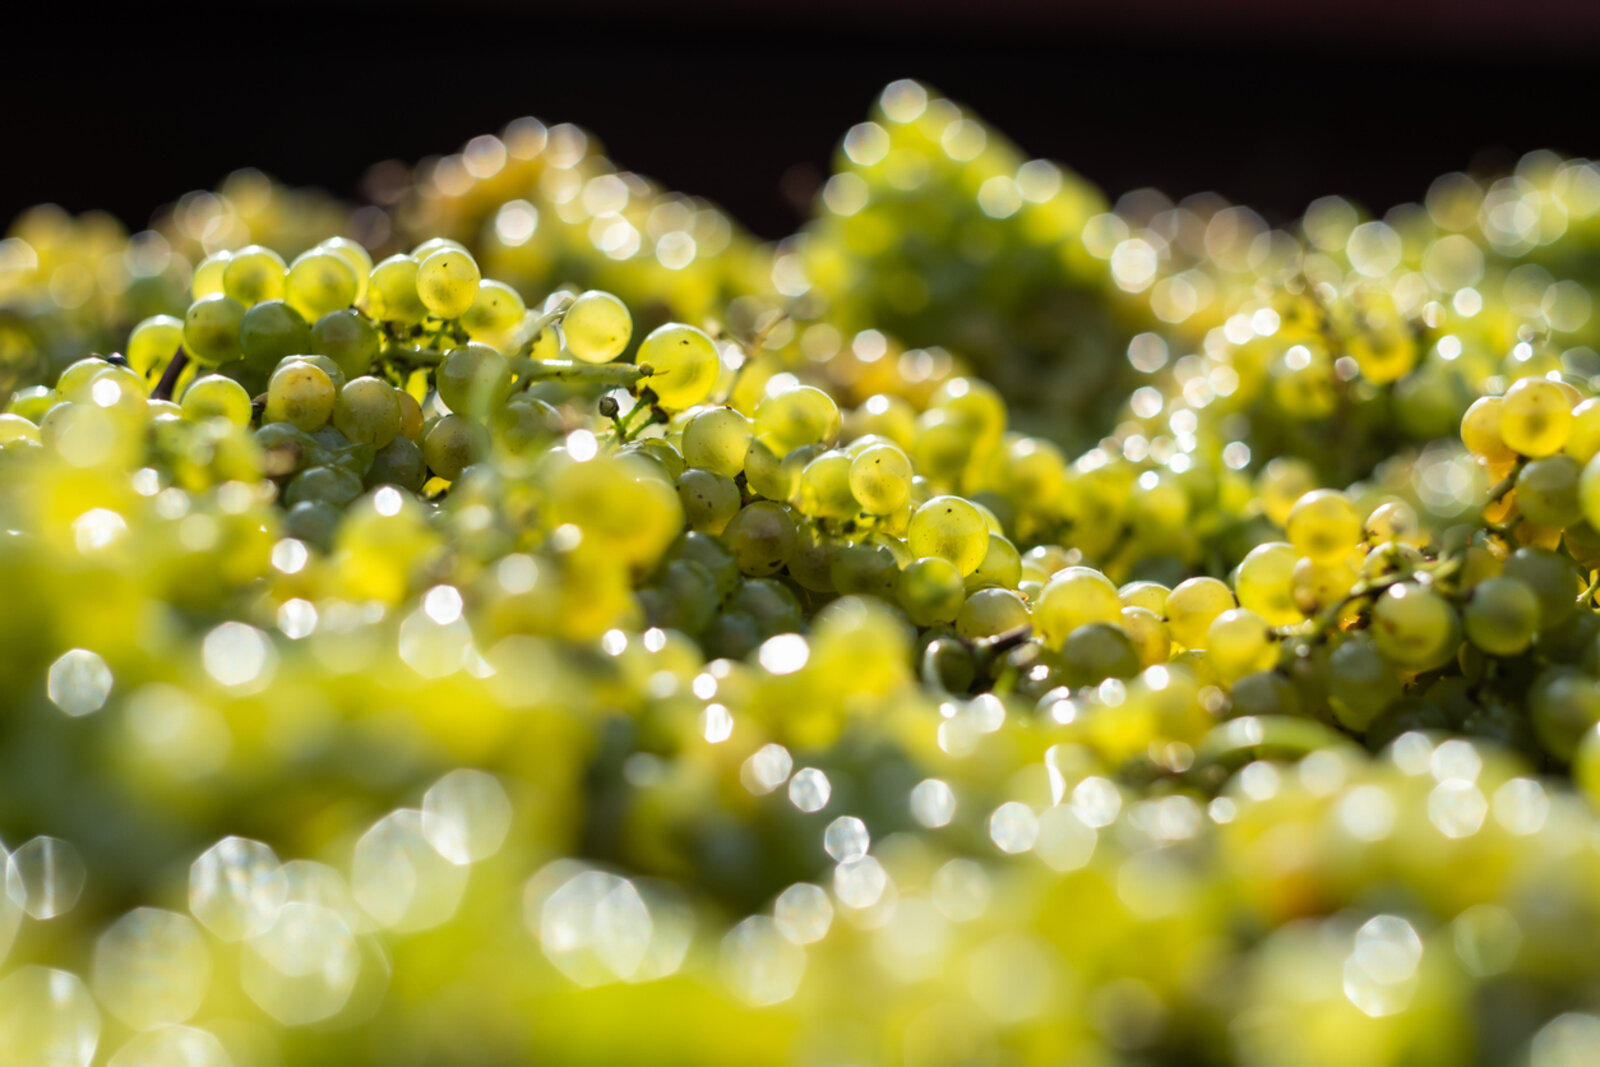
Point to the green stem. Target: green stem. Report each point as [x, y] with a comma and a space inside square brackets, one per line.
[566, 370]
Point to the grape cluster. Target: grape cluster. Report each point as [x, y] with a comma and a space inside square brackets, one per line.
[427, 662]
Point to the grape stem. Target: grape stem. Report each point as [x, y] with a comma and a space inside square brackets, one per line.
[567, 370]
[169, 377]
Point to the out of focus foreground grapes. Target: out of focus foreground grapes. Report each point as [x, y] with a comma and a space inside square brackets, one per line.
[524, 618]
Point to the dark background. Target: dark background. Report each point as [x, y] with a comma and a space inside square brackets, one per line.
[1271, 102]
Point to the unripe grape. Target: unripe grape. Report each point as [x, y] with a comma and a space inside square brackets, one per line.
[270, 332]
[1535, 417]
[451, 446]
[762, 536]
[348, 338]
[447, 282]
[991, 611]
[931, 590]
[1502, 616]
[597, 327]
[950, 527]
[1415, 627]
[1547, 491]
[684, 365]
[368, 412]
[474, 380]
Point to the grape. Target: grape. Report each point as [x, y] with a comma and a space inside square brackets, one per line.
[769, 605]
[495, 312]
[333, 486]
[354, 254]
[1361, 683]
[1150, 636]
[1264, 583]
[1001, 565]
[1075, 597]
[1283, 481]
[348, 338]
[597, 327]
[153, 343]
[762, 537]
[254, 274]
[991, 611]
[447, 282]
[450, 446]
[864, 570]
[207, 280]
[214, 396]
[1481, 431]
[1323, 525]
[710, 500]
[825, 487]
[1547, 491]
[392, 292]
[931, 590]
[684, 365]
[271, 331]
[1583, 439]
[1535, 417]
[717, 439]
[474, 380]
[397, 463]
[211, 329]
[1096, 652]
[1415, 627]
[1563, 705]
[800, 416]
[410, 415]
[1239, 642]
[1394, 521]
[1152, 596]
[1552, 578]
[368, 411]
[300, 394]
[768, 474]
[880, 478]
[1502, 616]
[1192, 606]
[319, 282]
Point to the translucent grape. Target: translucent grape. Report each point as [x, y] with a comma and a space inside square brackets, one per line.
[319, 282]
[300, 394]
[931, 590]
[214, 396]
[717, 439]
[1501, 616]
[271, 331]
[1075, 597]
[392, 292]
[348, 338]
[356, 255]
[153, 343]
[598, 327]
[710, 500]
[1239, 642]
[495, 312]
[1535, 417]
[1415, 627]
[1264, 583]
[367, 411]
[207, 279]
[951, 527]
[880, 478]
[991, 611]
[762, 537]
[1323, 525]
[1553, 579]
[1480, 431]
[800, 416]
[211, 329]
[447, 282]
[825, 487]
[683, 362]
[1547, 491]
[1098, 651]
[254, 274]
[1192, 607]
[451, 445]
[1001, 566]
[474, 380]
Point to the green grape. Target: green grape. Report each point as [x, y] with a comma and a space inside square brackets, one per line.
[684, 365]
[825, 487]
[447, 282]
[328, 367]
[31, 403]
[1096, 652]
[1535, 417]
[768, 474]
[435, 244]
[1415, 627]
[762, 537]
[931, 590]
[1239, 642]
[410, 416]
[495, 312]
[348, 338]
[1501, 616]
[769, 604]
[356, 255]
[314, 522]
[15, 429]
[525, 422]
[214, 396]
[1481, 431]
[1552, 578]
[270, 332]
[1547, 491]
[474, 380]
[1393, 521]
[1152, 596]
[880, 478]
[329, 485]
[1583, 439]
[713, 555]
[710, 500]
[1589, 492]
[397, 463]
[450, 446]
[811, 563]
[1361, 683]
[1193, 605]
[368, 412]
[991, 611]
[866, 570]
[717, 439]
[254, 274]
[688, 597]
[1074, 597]
[1264, 693]
[800, 416]
[1264, 583]
[392, 292]
[1323, 525]
[73, 383]
[1563, 705]
[597, 327]
[301, 394]
[319, 282]
[1150, 636]
[1001, 566]
[153, 343]
[1282, 482]
[951, 527]
[207, 280]
[211, 329]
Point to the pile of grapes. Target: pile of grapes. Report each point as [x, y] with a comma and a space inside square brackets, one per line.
[522, 618]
